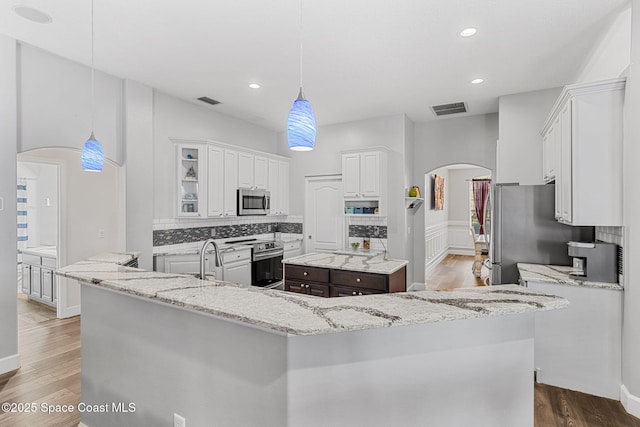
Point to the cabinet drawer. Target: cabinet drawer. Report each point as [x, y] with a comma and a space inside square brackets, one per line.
[235, 255]
[291, 246]
[359, 280]
[49, 262]
[313, 274]
[347, 291]
[307, 288]
[31, 259]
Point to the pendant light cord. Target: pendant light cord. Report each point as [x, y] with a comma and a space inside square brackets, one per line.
[301, 44]
[93, 107]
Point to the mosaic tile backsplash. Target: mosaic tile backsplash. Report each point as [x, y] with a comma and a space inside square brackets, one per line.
[196, 234]
[368, 231]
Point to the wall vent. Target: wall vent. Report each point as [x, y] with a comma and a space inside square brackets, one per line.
[446, 109]
[208, 100]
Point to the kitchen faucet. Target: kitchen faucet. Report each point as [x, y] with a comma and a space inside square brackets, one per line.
[203, 255]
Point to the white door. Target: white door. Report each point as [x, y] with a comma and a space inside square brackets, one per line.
[324, 214]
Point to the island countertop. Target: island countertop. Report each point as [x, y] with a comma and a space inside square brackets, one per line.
[306, 315]
[558, 274]
[341, 261]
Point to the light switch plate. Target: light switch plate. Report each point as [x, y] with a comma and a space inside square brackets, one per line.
[1, 203]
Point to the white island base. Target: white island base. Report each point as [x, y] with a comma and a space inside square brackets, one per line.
[220, 372]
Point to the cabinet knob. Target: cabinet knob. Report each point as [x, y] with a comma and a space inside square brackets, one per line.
[305, 274]
[353, 293]
[359, 293]
[358, 280]
[302, 285]
[306, 286]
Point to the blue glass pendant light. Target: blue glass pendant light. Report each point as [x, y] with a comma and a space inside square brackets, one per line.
[92, 155]
[301, 124]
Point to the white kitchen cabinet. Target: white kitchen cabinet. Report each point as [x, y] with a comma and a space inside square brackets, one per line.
[550, 154]
[39, 279]
[191, 176]
[283, 187]
[273, 186]
[579, 347]
[230, 182]
[364, 178]
[215, 184]
[245, 170]
[261, 172]
[186, 264]
[587, 123]
[237, 266]
[293, 248]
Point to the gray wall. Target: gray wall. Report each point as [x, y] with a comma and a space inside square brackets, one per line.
[459, 191]
[631, 149]
[468, 140]
[522, 117]
[8, 247]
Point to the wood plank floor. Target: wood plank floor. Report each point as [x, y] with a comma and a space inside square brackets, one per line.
[50, 372]
[50, 367]
[454, 271]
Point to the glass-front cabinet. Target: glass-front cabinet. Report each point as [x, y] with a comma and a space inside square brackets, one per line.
[191, 170]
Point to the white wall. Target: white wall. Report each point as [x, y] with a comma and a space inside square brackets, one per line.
[138, 107]
[468, 140]
[631, 177]
[432, 216]
[522, 117]
[55, 104]
[173, 117]
[610, 56]
[8, 258]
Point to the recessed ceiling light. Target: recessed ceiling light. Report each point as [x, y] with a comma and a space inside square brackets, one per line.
[468, 32]
[477, 81]
[254, 85]
[32, 14]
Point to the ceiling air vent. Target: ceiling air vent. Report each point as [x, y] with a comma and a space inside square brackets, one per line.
[446, 109]
[208, 100]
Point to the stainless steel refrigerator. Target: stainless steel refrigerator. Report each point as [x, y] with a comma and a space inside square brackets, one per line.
[520, 226]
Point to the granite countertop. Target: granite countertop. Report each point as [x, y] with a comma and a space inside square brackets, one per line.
[341, 261]
[43, 251]
[195, 247]
[286, 312]
[558, 274]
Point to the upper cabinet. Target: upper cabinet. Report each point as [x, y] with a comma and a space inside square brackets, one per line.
[364, 179]
[191, 170]
[210, 173]
[582, 151]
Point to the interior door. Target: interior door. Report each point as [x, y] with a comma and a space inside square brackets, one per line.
[324, 214]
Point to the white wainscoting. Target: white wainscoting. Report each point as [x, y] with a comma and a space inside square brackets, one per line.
[460, 240]
[436, 244]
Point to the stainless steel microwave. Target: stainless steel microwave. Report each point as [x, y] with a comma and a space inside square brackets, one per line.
[253, 202]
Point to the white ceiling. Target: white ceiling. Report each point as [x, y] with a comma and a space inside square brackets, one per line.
[362, 58]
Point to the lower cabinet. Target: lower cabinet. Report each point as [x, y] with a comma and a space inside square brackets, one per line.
[39, 279]
[236, 266]
[324, 282]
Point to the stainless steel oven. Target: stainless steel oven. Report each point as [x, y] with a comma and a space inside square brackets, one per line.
[266, 265]
[253, 202]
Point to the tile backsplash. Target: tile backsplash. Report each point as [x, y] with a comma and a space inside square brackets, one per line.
[172, 232]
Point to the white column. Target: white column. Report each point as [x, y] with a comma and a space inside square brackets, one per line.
[8, 246]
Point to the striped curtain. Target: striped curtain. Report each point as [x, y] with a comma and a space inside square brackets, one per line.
[23, 234]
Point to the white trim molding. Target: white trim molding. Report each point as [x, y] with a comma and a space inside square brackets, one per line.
[9, 363]
[630, 402]
[415, 286]
[436, 244]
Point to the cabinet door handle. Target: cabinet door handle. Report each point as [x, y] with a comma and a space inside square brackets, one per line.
[359, 293]
[302, 285]
[358, 280]
[353, 293]
[305, 274]
[306, 286]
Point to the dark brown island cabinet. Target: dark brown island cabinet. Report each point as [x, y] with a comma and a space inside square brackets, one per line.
[326, 282]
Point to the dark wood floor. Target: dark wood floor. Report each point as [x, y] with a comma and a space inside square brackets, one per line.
[50, 372]
[454, 271]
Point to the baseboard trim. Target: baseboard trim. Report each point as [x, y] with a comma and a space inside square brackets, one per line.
[630, 402]
[462, 251]
[9, 363]
[415, 286]
[81, 424]
[436, 260]
[64, 312]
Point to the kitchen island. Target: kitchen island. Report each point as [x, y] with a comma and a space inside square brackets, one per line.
[226, 354]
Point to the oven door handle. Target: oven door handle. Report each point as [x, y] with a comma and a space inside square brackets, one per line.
[267, 255]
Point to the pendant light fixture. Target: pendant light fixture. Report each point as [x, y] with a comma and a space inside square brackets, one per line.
[92, 154]
[301, 124]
